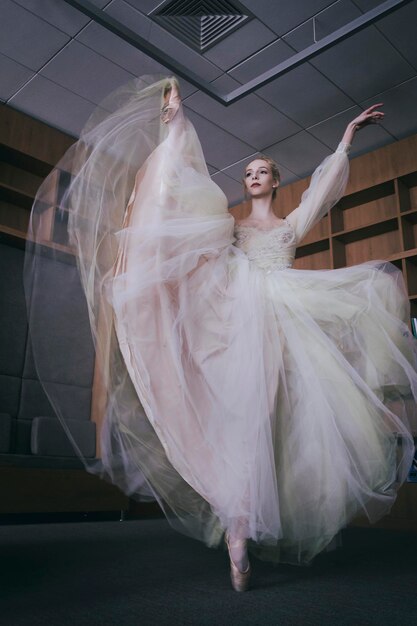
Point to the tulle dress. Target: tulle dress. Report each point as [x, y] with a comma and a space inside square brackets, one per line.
[243, 394]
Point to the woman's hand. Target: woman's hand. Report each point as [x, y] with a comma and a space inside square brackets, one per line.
[369, 116]
[172, 101]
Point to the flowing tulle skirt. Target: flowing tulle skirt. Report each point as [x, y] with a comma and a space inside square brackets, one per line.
[281, 399]
[273, 404]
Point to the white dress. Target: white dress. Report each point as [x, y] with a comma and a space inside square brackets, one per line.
[242, 393]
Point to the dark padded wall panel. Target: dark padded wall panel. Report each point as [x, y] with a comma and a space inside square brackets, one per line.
[10, 387]
[21, 436]
[61, 330]
[64, 354]
[63, 346]
[5, 432]
[74, 402]
[33, 400]
[13, 326]
[49, 439]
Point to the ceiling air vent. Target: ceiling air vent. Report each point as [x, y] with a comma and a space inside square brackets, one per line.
[201, 23]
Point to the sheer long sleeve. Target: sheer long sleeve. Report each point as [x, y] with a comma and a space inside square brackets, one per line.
[327, 186]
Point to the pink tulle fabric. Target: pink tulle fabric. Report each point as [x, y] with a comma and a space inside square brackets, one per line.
[245, 395]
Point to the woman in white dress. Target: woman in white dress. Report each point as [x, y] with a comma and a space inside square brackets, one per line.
[249, 398]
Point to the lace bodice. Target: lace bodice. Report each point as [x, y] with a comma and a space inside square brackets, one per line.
[270, 249]
[274, 248]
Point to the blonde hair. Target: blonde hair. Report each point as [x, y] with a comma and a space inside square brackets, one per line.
[274, 171]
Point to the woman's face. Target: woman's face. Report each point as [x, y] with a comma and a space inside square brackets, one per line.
[258, 179]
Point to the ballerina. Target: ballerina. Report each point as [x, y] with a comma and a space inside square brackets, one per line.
[253, 400]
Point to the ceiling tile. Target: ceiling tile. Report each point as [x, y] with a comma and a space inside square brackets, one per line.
[117, 50]
[305, 96]
[400, 29]
[241, 44]
[145, 6]
[367, 5]
[220, 148]
[211, 169]
[251, 119]
[123, 54]
[262, 61]
[335, 16]
[59, 14]
[300, 154]
[172, 47]
[13, 76]
[226, 82]
[58, 107]
[26, 38]
[282, 16]
[101, 78]
[330, 132]
[325, 23]
[232, 190]
[369, 62]
[125, 14]
[100, 3]
[400, 109]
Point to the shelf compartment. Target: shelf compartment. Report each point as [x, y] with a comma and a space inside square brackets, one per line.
[411, 275]
[60, 227]
[307, 249]
[16, 197]
[13, 216]
[338, 249]
[63, 182]
[12, 236]
[319, 232]
[365, 207]
[319, 260]
[413, 308]
[24, 161]
[370, 230]
[352, 248]
[409, 229]
[398, 264]
[407, 191]
[18, 239]
[402, 255]
[19, 180]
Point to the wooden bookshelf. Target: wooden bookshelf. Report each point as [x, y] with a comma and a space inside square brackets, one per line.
[29, 150]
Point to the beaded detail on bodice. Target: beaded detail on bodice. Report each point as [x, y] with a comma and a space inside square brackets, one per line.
[270, 249]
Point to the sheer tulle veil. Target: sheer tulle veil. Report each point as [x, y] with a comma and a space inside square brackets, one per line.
[72, 249]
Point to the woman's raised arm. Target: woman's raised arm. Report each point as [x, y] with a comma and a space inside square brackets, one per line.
[329, 180]
[369, 116]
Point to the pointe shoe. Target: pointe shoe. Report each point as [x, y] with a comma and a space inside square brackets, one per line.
[240, 580]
